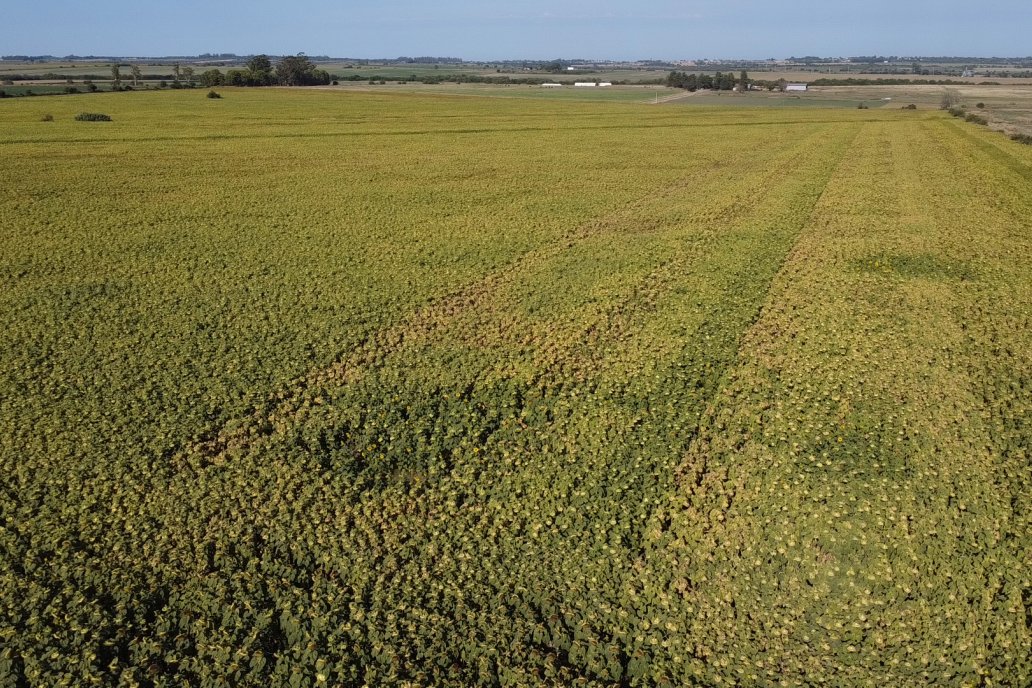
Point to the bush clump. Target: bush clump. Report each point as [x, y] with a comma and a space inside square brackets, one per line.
[213, 94]
[47, 118]
[92, 117]
[977, 119]
[909, 107]
[1022, 138]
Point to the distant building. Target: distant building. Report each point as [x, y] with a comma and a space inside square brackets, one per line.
[968, 73]
[551, 85]
[795, 87]
[605, 83]
[585, 84]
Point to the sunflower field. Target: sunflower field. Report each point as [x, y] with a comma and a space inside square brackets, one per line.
[319, 388]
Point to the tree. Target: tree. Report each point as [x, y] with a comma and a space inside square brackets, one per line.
[743, 81]
[950, 98]
[188, 73]
[300, 71]
[116, 77]
[295, 71]
[136, 75]
[683, 80]
[259, 71]
[175, 72]
[212, 77]
[721, 81]
[236, 77]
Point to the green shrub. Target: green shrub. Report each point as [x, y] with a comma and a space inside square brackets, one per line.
[1022, 138]
[47, 118]
[92, 117]
[213, 94]
[976, 119]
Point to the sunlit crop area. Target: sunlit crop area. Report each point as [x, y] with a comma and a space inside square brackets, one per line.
[325, 388]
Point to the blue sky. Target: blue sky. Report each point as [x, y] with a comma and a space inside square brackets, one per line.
[660, 29]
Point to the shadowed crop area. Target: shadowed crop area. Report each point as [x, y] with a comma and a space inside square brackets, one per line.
[355, 388]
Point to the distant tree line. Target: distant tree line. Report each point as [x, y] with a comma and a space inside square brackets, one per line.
[296, 70]
[720, 81]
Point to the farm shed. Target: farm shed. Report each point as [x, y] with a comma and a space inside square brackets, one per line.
[585, 84]
[551, 85]
[795, 87]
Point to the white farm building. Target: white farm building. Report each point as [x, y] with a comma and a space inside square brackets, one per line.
[795, 87]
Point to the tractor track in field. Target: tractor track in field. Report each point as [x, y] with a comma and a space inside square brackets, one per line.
[286, 407]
